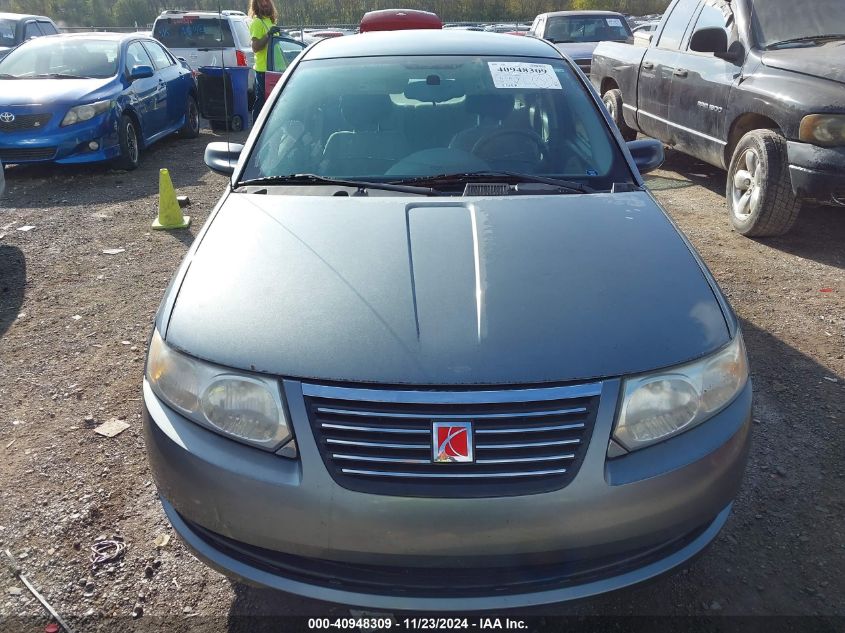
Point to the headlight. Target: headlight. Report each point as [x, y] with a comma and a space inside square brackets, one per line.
[86, 112]
[246, 407]
[660, 405]
[823, 129]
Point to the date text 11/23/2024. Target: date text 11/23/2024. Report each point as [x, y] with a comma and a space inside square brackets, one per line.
[386, 622]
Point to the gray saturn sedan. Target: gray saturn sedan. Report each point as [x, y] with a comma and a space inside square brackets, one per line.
[438, 347]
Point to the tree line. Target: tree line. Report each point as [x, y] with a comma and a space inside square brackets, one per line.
[140, 13]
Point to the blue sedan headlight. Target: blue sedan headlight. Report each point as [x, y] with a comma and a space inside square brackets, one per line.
[86, 112]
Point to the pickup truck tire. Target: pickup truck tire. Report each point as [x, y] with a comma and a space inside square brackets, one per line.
[613, 102]
[759, 191]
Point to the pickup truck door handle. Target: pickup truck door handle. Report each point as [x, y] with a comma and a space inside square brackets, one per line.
[648, 65]
[680, 72]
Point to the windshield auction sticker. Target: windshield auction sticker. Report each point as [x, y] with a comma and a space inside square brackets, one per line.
[524, 75]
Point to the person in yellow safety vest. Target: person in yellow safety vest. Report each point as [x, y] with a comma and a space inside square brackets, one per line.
[261, 29]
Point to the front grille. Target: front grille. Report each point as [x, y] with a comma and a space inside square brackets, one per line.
[24, 154]
[25, 122]
[525, 441]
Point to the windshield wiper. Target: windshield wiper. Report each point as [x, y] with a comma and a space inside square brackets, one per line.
[57, 76]
[511, 177]
[808, 38]
[314, 179]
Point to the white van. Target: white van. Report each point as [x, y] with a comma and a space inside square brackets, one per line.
[208, 38]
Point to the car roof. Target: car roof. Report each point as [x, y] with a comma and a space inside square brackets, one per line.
[430, 42]
[99, 35]
[226, 13]
[22, 16]
[577, 13]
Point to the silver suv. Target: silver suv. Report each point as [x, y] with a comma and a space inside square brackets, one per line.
[207, 38]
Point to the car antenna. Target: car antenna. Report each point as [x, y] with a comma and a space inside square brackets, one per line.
[225, 93]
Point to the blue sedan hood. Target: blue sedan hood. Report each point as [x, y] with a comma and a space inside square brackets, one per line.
[511, 290]
[58, 91]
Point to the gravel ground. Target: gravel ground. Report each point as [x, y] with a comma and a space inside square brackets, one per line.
[73, 327]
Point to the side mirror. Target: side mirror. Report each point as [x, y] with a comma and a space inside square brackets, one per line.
[647, 154]
[712, 40]
[140, 72]
[222, 157]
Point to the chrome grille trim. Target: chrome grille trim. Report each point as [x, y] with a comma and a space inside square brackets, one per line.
[387, 460]
[453, 475]
[532, 429]
[528, 444]
[519, 460]
[371, 429]
[505, 396]
[445, 416]
[376, 444]
[380, 441]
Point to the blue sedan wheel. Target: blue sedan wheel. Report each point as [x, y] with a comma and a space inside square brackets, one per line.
[130, 150]
[191, 129]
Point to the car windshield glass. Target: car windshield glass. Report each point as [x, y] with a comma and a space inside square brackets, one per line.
[590, 28]
[62, 58]
[399, 118]
[778, 21]
[7, 32]
[191, 31]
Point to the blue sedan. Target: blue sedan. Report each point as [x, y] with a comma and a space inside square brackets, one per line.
[92, 97]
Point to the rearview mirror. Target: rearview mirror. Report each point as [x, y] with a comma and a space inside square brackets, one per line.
[141, 72]
[647, 154]
[222, 157]
[711, 40]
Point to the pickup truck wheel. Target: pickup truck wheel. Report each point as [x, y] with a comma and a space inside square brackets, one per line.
[759, 191]
[613, 102]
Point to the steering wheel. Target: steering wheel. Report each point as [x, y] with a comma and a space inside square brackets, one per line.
[515, 144]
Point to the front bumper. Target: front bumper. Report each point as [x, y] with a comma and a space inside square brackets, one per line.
[817, 172]
[63, 144]
[286, 524]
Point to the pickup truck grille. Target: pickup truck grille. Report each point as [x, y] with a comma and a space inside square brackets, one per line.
[525, 441]
[585, 64]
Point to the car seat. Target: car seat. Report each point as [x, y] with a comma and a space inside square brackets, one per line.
[368, 149]
[491, 110]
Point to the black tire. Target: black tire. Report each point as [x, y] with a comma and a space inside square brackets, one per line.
[191, 129]
[130, 144]
[759, 193]
[236, 124]
[613, 102]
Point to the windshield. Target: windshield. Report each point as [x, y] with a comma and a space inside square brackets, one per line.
[48, 57]
[781, 20]
[7, 33]
[587, 28]
[191, 31]
[391, 118]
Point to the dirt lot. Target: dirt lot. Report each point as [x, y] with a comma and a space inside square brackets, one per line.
[73, 326]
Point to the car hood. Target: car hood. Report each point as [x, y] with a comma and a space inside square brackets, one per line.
[577, 50]
[49, 91]
[512, 290]
[826, 61]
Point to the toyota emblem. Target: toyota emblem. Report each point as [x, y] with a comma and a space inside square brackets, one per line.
[6, 117]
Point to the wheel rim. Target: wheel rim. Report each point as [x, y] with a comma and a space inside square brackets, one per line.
[193, 116]
[131, 142]
[610, 108]
[746, 186]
